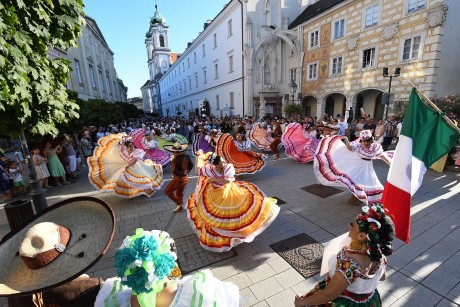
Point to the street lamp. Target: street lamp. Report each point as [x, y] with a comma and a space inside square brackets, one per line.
[293, 87]
[397, 73]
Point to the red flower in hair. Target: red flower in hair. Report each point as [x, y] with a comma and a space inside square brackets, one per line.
[374, 228]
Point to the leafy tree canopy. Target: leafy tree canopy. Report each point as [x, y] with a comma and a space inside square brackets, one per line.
[32, 87]
[292, 109]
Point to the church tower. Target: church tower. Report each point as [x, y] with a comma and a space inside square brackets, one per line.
[157, 44]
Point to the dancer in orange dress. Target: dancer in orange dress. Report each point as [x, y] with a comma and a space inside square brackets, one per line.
[238, 152]
[225, 212]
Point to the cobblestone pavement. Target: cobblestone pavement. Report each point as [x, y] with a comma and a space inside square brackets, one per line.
[424, 273]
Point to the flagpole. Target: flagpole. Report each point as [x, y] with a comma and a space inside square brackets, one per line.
[435, 107]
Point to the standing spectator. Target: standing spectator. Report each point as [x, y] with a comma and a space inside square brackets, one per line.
[4, 181]
[86, 147]
[55, 166]
[70, 157]
[390, 131]
[379, 131]
[190, 130]
[16, 173]
[41, 168]
[359, 127]
[100, 134]
[369, 125]
[343, 126]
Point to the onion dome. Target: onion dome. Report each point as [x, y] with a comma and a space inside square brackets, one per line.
[157, 18]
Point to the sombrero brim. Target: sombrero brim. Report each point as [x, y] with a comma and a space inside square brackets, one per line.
[171, 149]
[81, 215]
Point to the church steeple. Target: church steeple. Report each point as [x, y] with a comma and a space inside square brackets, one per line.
[157, 44]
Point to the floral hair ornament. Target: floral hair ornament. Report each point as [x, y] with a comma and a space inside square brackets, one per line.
[145, 262]
[368, 222]
[214, 156]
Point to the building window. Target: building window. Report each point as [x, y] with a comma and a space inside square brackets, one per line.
[337, 64]
[91, 76]
[230, 64]
[188, 62]
[215, 40]
[339, 29]
[415, 5]
[109, 89]
[204, 77]
[411, 48]
[189, 83]
[216, 71]
[368, 58]
[292, 73]
[217, 102]
[162, 40]
[313, 39]
[196, 81]
[101, 81]
[232, 101]
[230, 31]
[115, 89]
[194, 57]
[203, 50]
[183, 67]
[78, 71]
[312, 71]
[372, 16]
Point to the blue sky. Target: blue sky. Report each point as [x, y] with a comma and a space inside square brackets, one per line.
[125, 22]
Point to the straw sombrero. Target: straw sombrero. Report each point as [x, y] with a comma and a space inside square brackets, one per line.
[85, 229]
[176, 147]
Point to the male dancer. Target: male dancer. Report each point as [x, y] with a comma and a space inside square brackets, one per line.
[181, 167]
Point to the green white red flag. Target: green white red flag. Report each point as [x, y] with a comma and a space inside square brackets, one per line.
[425, 137]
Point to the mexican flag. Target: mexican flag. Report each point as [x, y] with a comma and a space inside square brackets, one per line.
[425, 137]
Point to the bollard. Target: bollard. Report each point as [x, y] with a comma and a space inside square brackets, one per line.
[18, 213]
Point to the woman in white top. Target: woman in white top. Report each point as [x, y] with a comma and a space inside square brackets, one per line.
[357, 269]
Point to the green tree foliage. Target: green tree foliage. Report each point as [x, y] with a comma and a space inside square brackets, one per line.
[292, 109]
[129, 110]
[32, 87]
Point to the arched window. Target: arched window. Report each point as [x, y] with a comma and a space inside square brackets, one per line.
[162, 40]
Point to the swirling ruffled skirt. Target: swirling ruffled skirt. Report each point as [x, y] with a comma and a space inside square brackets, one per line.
[226, 216]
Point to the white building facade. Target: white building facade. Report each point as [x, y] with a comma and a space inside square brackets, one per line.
[240, 64]
[208, 77]
[93, 74]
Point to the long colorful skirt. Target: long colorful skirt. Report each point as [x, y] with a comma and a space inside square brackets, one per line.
[335, 165]
[260, 138]
[226, 216]
[107, 171]
[245, 162]
[298, 145]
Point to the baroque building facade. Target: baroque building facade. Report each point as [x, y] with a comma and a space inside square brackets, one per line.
[93, 74]
[347, 44]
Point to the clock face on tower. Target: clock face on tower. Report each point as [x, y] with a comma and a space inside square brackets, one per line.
[160, 28]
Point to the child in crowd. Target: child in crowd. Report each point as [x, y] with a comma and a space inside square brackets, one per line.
[18, 182]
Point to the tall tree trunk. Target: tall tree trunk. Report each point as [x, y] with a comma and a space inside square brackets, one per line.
[37, 192]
